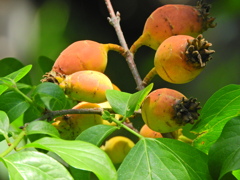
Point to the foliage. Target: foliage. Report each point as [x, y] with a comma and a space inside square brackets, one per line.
[35, 149]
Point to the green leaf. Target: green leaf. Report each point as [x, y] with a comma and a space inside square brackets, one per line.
[4, 123]
[96, 134]
[9, 65]
[51, 95]
[45, 63]
[42, 127]
[125, 103]
[19, 74]
[224, 155]
[118, 101]
[3, 88]
[29, 165]
[137, 98]
[222, 106]
[32, 113]
[13, 104]
[164, 159]
[79, 154]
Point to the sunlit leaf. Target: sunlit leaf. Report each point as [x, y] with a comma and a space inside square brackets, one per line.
[29, 165]
[4, 123]
[79, 154]
[42, 127]
[164, 159]
[222, 106]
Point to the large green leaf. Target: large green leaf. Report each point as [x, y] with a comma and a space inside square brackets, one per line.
[13, 104]
[157, 159]
[224, 155]
[4, 123]
[222, 106]
[29, 165]
[42, 127]
[79, 154]
[96, 134]
[125, 103]
[51, 95]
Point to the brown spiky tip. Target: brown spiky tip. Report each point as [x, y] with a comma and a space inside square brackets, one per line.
[53, 77]
[198, 51]
[204, 10]
[187, 110]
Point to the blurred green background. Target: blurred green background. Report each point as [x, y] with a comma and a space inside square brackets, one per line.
[33, 28]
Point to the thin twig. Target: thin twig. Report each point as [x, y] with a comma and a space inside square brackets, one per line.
[49, 115]
[114, 20]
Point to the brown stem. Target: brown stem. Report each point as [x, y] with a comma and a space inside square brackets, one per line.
[150, 75]
[114, 20]
[49, 115]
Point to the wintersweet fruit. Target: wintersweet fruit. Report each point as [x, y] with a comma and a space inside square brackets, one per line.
[86, 85]
[84, 55]
[117, 148]
[166, 110]
[180, 59]
[174, 19]
[147, 132]
[71, 125]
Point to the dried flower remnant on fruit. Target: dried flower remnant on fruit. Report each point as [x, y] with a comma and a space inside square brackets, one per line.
[166, 110]
[187, 111]
[198, 51]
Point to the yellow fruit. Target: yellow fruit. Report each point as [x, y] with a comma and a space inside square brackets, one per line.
[71, 125]
[87, 86]
[117, 148]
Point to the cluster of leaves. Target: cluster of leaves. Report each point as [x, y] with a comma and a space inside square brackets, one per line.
[44, 155]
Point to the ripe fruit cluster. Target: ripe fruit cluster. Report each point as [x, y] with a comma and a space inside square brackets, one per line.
[174, 31]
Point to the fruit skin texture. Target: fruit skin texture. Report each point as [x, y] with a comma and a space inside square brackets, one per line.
[173, 19]
[117, 148]
[87, 86]
[147, 132]
[160, 112]
[71, 125]
[84, 55]
[173, 62]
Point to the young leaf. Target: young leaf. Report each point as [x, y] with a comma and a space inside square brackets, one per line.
[42, 127]
[9, 65]
[51, 95]
[29, 165]
[118, 101]
[96, 134]
[125, 103]
[222, 106]
[136, 99]
[224, 155]
[19, 74]
[13, 104]
[164, 159]
[4, 123]
[79, 154]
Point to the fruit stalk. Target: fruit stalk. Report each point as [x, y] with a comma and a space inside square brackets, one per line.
[114, 21]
